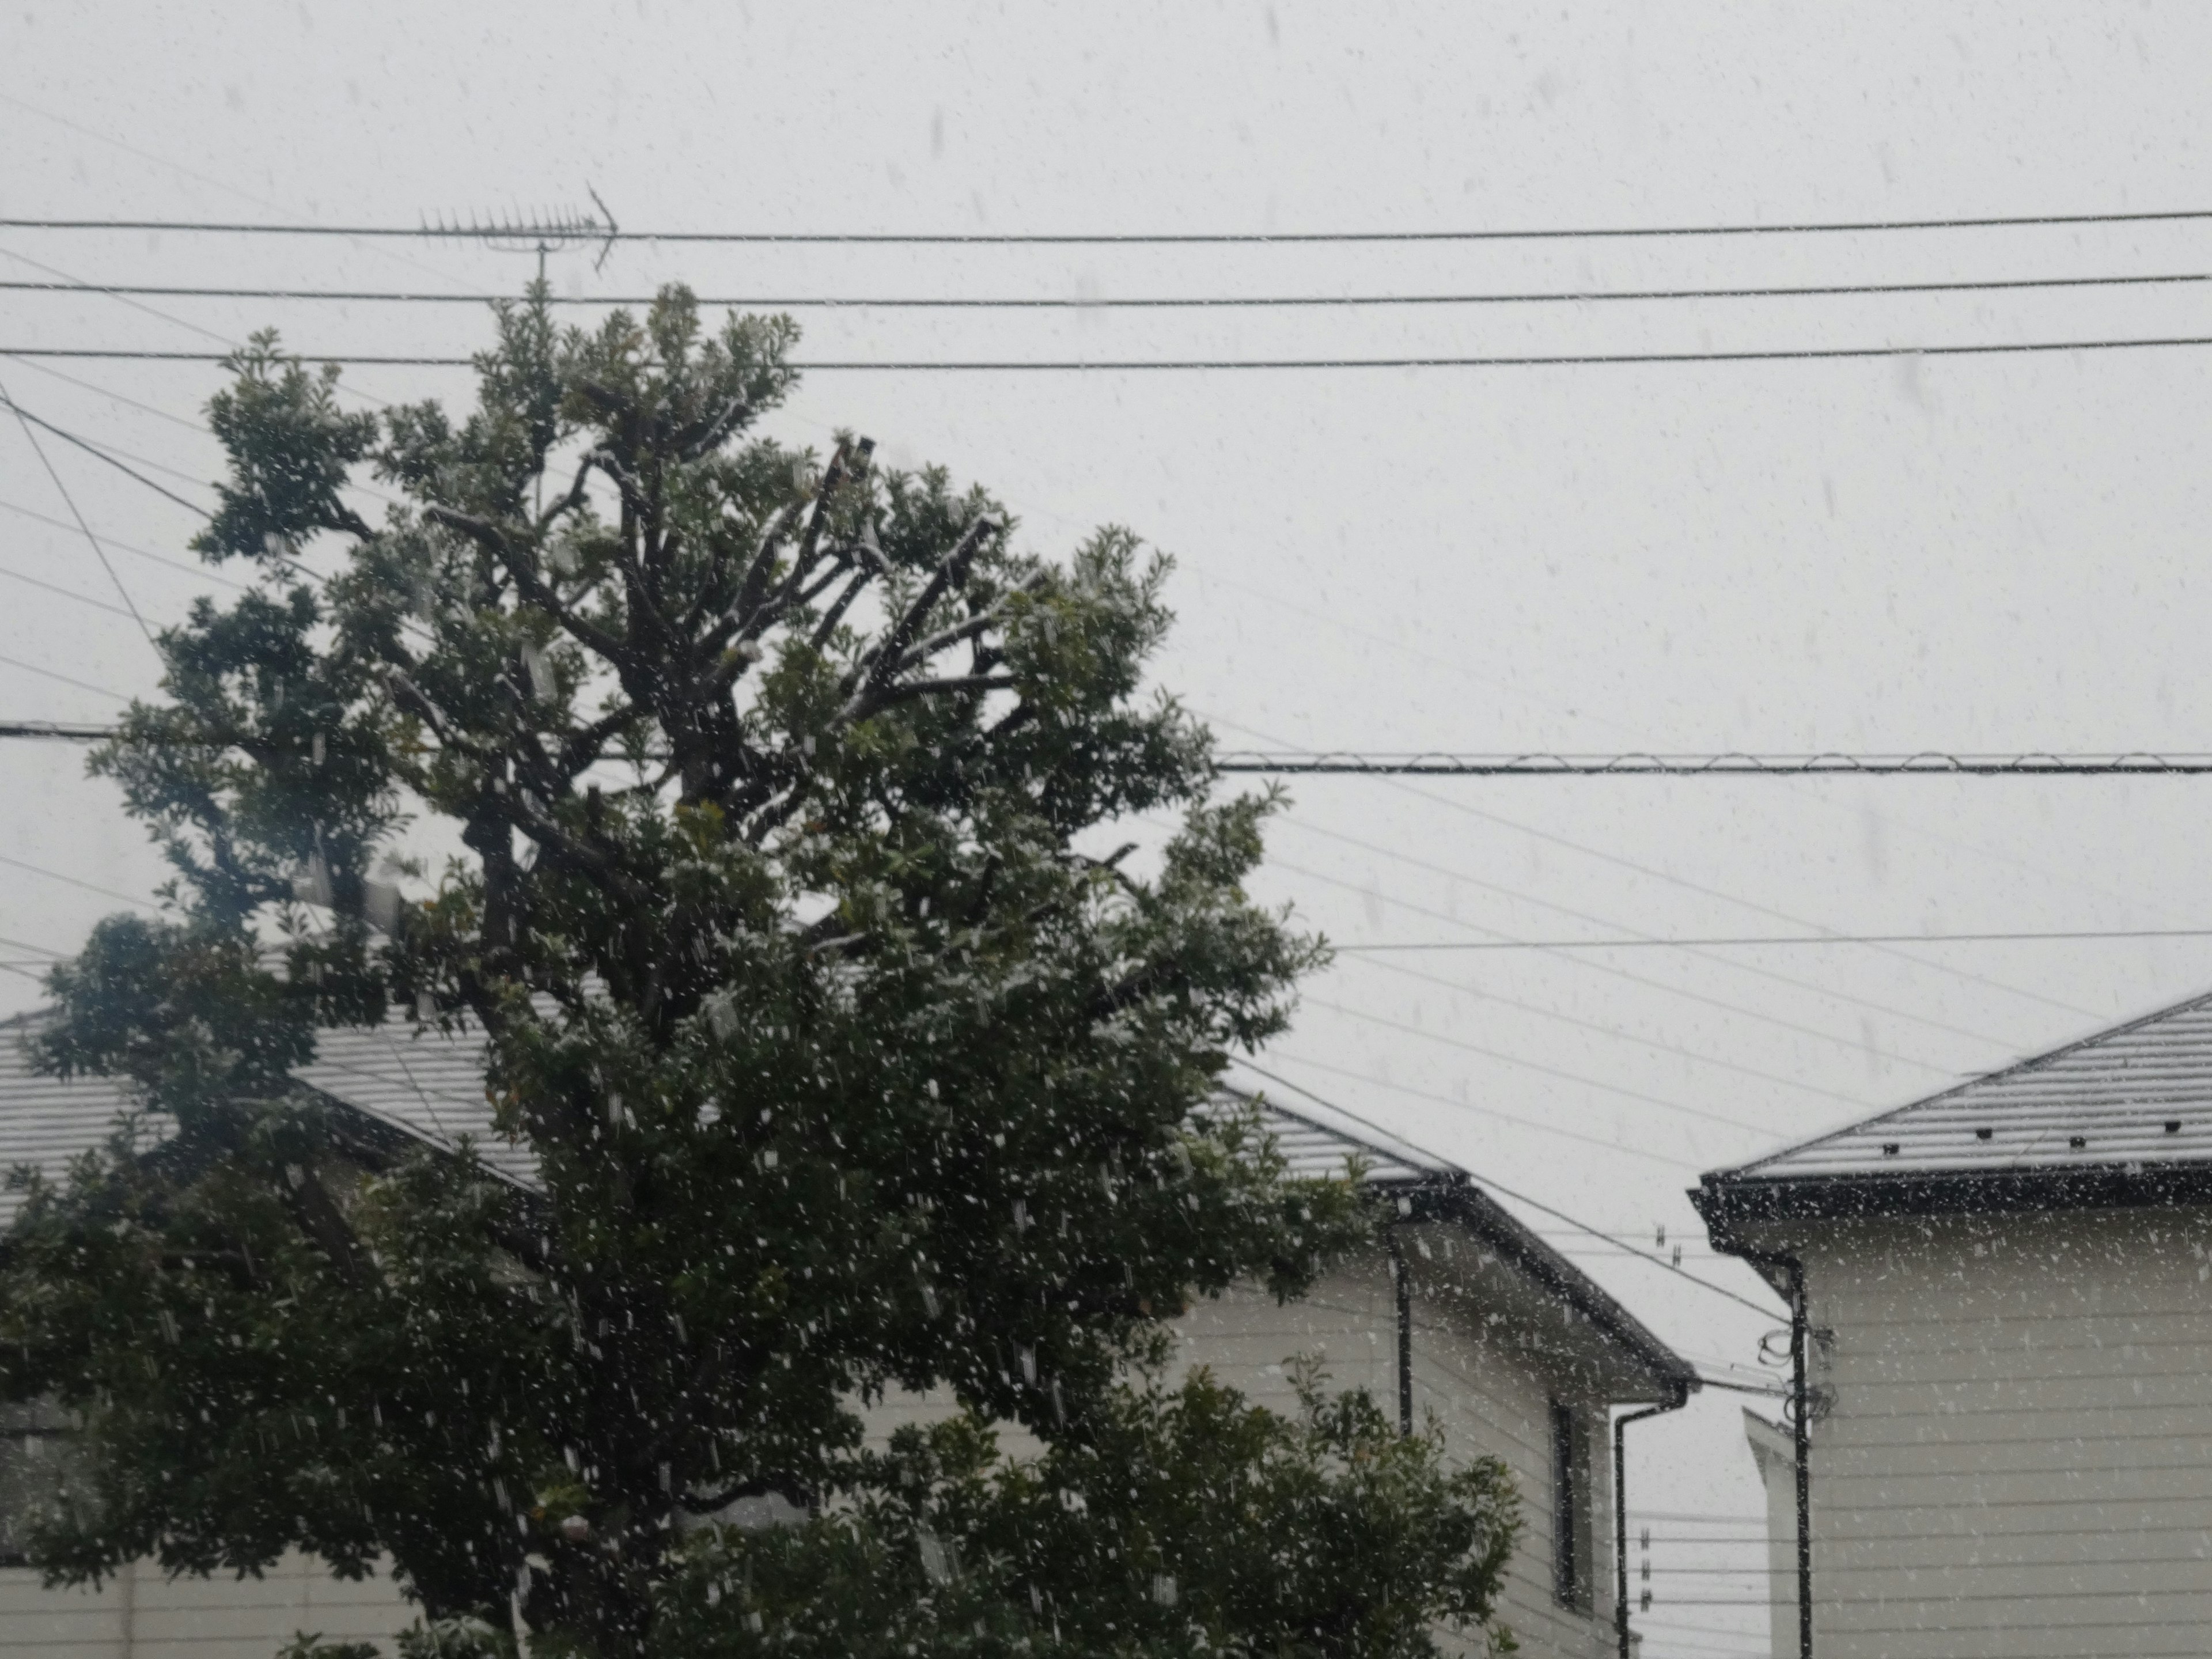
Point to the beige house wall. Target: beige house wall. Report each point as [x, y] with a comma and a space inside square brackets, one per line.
[1490, 1395]
[142, 1615]
[2015, 1458]
[1489, 1376]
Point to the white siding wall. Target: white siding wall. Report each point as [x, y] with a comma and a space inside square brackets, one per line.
[1491, 1398]
[1491, 1386]
[2019, 1458]
[144, 1616]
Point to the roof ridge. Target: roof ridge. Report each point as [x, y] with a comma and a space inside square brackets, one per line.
[2016, 1068]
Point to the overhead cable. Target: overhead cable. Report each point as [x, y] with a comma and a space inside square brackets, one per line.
[1923, 763]
[1769, 938]
[1609, 969]
[1148, 238]
[1534, 1124]
[73, 881]
[48, 674]
[96, 450]
[1556, 1214]
[199, 571]
[25, 418]
[1148, 365]
[1136, 302]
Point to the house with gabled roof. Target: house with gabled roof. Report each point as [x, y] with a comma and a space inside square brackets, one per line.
[2001, 1439]
[1465, 1314]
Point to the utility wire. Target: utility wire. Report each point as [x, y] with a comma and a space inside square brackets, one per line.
[105, 450]
[1136, 302]
[1593, 1026]
[63, 593]
[1688, 885]
[90, 448]
[1923, 763]
[24, 418]
[200, 571]
[1536, 1125]
[1554, 1211]
[78, 283]
[89, 886]
[1610, 970]
[1095, 366]
[1095, 239]
[1770, 939]
[1530, 1064]
[48, 674]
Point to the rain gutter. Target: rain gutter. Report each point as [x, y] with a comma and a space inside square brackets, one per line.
[1673, 1402]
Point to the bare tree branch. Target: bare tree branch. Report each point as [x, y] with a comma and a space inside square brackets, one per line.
[879, 664]
[490, 536]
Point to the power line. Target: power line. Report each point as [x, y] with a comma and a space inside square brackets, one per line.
[48, 674]
[105, 450]
[1096, 366]
[24, 417]
[1688, 885]
[59, 731]
[1595, 1026]
[1607, 968]
[90, 448]
[201, 571]
[1134, 303]
[89, 886]
[1533, 1065]
[170, 416]
[1924, 763]
[1553, 1211]
[1770, 939]
[1150, 239]
[66, 593]
[1537, 1125]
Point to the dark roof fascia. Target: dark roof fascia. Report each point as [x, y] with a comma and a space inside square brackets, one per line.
[1455, 1198]
[1728, 1201]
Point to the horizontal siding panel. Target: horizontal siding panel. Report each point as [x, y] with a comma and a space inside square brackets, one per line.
[2057, 1330]
[2071, 1547]
[1875, 1399]
[2118, 1424]
[2117, 1487]
[2063, 1469]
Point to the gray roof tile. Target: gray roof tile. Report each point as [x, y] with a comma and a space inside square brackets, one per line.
[2138, 1094]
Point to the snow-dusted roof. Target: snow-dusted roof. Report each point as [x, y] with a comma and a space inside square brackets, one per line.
[427, 1087]
[1316, 1144]
[430, 1088]
[2137, 1096]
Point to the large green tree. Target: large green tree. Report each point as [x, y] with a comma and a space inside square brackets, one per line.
[852, 1053]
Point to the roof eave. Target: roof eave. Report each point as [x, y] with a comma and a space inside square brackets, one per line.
[1727, 1201]
[1458, 1198]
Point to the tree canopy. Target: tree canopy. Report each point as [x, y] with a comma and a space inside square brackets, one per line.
[775, 803]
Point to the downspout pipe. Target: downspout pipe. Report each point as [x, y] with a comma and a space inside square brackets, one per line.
[1405, 1299]
[1801, 1432]
[1673, 1402]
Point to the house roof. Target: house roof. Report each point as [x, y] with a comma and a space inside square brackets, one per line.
[2127, 1108]
[1319, 1141]
[428, 1088]
[423, 1086]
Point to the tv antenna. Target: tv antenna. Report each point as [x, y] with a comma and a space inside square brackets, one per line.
[539, 231]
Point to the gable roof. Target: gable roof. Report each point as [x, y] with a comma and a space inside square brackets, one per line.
[1319, 1142]
[417, 1084]
[407, 1082]
[2126, 1109]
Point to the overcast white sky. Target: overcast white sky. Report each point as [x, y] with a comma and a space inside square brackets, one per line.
[1988, 554]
